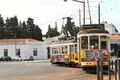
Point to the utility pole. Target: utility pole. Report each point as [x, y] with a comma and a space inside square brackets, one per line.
[84, 12]
[99, 13]
[89, 11]
[83, 8]
[80, 18]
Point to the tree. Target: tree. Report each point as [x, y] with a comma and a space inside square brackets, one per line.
[48, 34]
[38, 33]
[31, 27]
[56, 29]
[33, 30]
[11, 27]
[14, 29]
[1, 27]
[69, 26]
[52, 32]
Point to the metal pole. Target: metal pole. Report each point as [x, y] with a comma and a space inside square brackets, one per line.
[118, 69]
[101, 70]
[83, 9]
[84, 12]
[80, 18]
[89, 12]
[112, 64]
[15, 44]
[98, 69]
[99, 13]
[109, 73]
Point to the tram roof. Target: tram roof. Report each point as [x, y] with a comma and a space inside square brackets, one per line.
[93, 28]
[66, 42]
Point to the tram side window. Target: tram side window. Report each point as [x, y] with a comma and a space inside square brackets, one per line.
[71, 48]
[55, 51]
[84, 42]
[63, 50]
[52, 50]
[103, 45]
[94, 42]
[75, 48]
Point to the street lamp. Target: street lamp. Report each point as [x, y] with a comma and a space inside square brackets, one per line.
[14, 37]
[83, 8]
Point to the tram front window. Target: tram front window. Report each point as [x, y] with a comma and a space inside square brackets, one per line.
[84, 42]
[103, 45]
[94, 42]
[104, 40]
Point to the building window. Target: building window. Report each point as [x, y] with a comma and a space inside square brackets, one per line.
[34, 51]
[5, 52]
[18, 52]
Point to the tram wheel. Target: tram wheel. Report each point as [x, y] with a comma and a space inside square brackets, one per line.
[84, 68]
[91, 70]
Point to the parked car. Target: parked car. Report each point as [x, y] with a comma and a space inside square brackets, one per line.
[0, 59]
[31, 58]
[17, 58]
[28, 58]
[6, 58]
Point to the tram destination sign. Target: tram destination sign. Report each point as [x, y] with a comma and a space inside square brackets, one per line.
[98, 26]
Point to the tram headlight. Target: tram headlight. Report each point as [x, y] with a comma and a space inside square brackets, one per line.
[82, 53]
[96, 54]
[105, 53]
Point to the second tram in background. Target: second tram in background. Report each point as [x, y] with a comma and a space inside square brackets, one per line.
[93, 42]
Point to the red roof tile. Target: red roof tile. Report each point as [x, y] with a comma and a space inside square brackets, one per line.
[115, 37]
[19, 40]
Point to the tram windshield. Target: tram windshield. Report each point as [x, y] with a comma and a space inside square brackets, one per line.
[94, 42]
[103, 42]
[84, 42]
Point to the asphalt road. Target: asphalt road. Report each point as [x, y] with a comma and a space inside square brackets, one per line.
[10, 69]
[41, 70]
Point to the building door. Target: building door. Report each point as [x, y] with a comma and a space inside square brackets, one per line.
[5, 52]
[48, 52]
[18, 52]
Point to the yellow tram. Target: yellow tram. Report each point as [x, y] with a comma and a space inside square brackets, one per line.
[93, 42]
[64, 52]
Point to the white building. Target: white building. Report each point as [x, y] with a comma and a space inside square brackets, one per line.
[111, 29]
[23, 48]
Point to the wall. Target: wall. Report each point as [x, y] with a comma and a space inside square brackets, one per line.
[26, 49]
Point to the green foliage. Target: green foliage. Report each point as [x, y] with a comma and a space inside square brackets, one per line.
[52, 31]
[1, 27]
[12, 29]
[70, 27]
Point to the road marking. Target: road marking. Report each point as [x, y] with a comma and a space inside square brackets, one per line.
[44, 76]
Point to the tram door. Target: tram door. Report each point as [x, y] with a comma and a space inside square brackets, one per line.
[73, 53]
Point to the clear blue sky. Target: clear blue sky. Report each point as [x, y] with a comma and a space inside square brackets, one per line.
[46, 12]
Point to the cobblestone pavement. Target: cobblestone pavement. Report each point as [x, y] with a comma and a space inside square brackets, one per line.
[73, 75]
[59, 73]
